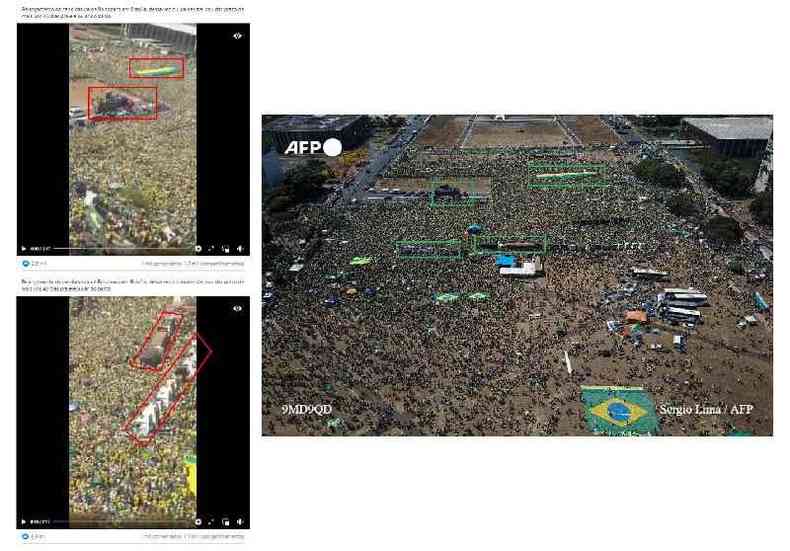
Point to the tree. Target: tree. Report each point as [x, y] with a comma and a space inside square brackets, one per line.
[395, 121]
[660, 173]
[279, 203]
[762, 208]
[682, 204]
[723, 229]
[669, 120]
[726, 177]
[392, 122]
[300, 183]
[306, 179]
[267, 233]
[661, 120]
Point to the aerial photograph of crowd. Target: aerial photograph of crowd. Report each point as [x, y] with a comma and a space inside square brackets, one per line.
[518, 275]
[132, 417]
[132, 139]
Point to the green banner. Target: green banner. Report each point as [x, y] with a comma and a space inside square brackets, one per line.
[446, 297]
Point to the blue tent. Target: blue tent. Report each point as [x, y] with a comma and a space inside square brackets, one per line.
[474, 229]
[505, 260]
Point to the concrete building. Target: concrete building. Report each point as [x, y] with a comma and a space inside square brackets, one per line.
[766, 170]
[731, 136]
[181, 37]
[351, 130]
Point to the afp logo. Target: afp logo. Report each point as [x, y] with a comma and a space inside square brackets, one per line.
[331, 147]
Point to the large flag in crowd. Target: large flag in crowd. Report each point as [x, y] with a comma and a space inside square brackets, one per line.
[619, 410]
[190, 461]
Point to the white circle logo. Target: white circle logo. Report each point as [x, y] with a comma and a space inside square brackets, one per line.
[333, 147]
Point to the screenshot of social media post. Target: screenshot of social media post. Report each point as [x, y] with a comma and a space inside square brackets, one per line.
[133, 139]
[132, 275]
[132, 413]
[518, 275]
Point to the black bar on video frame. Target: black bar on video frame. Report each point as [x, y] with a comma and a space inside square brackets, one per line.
[223, 418]
[42, 411]
[223, 136]
[42, 138]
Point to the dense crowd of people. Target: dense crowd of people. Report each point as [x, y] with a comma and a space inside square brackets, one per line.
[392, 360]
[432, 161]
[132, 182]
[112, 481]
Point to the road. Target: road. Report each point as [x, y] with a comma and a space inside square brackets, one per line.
[627, 135]
[377, 165]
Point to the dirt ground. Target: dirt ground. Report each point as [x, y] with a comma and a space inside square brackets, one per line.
[93, 32]
[443, 130]
[590, 129]
[532, 132]
[78, 92]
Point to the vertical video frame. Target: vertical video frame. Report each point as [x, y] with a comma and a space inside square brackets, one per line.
[141, 469]
[143, 155]
[132, 140]
[142, 394]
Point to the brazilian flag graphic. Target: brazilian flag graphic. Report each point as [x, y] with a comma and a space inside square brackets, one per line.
[619, 410]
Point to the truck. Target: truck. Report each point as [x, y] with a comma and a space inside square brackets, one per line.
[154, 351]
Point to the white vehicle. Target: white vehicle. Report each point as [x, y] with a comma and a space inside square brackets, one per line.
[76, 113]
[146, 421]
[79, 122]
[696, 297]
[681, 290]
[648, 273]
